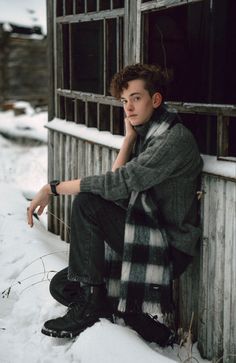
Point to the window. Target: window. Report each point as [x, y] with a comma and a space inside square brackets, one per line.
[196, 45]
[194, 40]
[89, 53]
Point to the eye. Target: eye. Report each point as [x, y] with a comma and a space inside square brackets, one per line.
[123, 101]
[136, 98]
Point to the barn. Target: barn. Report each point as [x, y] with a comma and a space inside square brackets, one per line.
[194, 40]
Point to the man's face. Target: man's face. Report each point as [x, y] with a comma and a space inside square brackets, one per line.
[137, 102]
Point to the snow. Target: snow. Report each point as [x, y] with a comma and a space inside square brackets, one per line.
[29, 257]
[30, 126]
[219, 167]
[86, 133]
[7, 27]
[211, 164]
[25, 36]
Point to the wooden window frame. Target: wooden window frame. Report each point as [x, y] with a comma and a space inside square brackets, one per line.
[67, 99]
[221, 112]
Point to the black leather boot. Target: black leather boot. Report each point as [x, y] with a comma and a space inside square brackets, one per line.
[92, 305]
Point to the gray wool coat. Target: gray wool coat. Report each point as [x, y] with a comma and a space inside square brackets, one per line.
[170, 165]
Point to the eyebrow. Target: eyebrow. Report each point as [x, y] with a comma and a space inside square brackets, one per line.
[132, 94]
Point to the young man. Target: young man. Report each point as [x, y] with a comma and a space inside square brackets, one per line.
[145, 209]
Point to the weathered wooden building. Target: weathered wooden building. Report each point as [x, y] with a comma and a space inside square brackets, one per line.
[23, 64]
[194, 40]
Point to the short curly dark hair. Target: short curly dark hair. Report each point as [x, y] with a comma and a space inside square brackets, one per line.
[156, 80]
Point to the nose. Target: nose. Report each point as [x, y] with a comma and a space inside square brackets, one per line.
[129, 106]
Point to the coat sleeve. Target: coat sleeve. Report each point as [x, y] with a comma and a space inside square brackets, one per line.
[172, 153]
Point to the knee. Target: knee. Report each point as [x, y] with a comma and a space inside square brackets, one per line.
[83, 201]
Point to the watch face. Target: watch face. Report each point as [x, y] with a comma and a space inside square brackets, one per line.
[55, 182]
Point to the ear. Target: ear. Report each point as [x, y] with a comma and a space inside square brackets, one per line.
[156, 100]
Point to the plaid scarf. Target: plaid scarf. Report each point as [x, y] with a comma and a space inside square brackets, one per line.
[140, 280]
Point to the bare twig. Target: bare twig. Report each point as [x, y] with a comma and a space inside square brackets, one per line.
[186, 342]
[224, 357]
[7, 291]
[59, 219]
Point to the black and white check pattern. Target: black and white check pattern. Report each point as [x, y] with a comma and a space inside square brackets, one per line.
[141, 281]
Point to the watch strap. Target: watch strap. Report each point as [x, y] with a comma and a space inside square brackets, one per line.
[53, 185]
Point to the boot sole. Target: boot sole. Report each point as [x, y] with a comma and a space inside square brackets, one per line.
[68, 334]
[63, 333]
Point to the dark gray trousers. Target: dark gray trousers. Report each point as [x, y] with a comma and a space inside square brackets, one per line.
[93, 221]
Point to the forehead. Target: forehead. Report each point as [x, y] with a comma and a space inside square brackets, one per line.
[134, 86]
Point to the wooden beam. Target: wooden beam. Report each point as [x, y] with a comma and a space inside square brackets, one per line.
[222, 136]
[50, 49]
[163, 4]
[203, 108]
[105, 14]
[130, 19]
[105, 55]
[89, 97]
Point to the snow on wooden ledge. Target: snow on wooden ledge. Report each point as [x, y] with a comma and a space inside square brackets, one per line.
[221, 168]
[83, 132]
[212, 165]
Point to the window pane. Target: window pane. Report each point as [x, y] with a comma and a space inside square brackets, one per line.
[204, 129]
[65, 57]
[104, 117]
[59, 6]
[80, 112]
[177, 40]
[69, 7]
[92, 114]
[87, 57]
[118, 4]
[198, 48]
[111, 51]
[70, 109]
[79, 6]
[91, 5]
[224, 52]
[105, 4]
[61, 107]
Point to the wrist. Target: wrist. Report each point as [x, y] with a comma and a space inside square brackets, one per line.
[131, 138]
[47, 189]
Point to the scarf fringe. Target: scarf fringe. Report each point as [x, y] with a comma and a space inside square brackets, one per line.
[122, 305]
[152, 308]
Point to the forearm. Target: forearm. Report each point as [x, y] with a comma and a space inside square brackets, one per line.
[125, 152]
[65, 187]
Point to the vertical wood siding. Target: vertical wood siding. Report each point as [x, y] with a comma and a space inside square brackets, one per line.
[72, 158]
[217, 294]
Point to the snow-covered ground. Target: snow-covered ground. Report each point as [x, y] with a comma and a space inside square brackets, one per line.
[30, 257]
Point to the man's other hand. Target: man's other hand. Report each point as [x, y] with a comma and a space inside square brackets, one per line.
[41, 200]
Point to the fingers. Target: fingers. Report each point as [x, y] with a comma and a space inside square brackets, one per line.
[40, 210]
[30, 217]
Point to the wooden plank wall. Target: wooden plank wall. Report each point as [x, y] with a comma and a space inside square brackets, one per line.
[207, 288]
[217, 298]
[71, 158]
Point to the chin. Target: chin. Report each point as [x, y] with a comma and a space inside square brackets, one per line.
[137, 122]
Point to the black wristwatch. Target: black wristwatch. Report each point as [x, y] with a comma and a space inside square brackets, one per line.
[53, 185]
